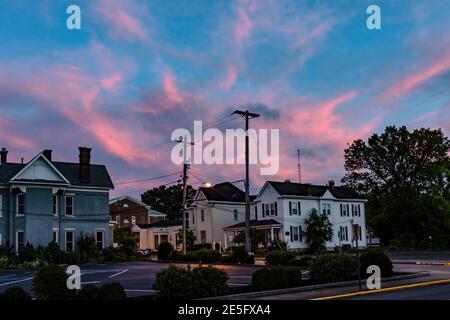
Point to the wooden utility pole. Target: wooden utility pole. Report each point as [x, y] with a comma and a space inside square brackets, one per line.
[247, 115]
[299, 167]
[184, 177]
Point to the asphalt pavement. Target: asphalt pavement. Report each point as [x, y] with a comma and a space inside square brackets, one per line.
[137, 277]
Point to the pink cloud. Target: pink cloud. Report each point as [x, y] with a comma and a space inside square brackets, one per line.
[170, 88]
[11, 136]
[228, 82]
[415, 79]
[244, 25]
[121, 19]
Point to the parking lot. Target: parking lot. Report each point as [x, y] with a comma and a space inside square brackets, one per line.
[136, 277]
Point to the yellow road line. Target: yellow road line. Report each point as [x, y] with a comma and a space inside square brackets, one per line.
[367, 292]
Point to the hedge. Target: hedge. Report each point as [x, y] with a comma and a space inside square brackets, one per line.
[278, 257]
[15, 294]
[176, 283]
[50, 283]
[276, 278]
[164, 250]
[333, 268]
[376, 257]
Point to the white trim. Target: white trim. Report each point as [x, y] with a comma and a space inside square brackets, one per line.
[40, 155]
[57, 234]
[1, 240]
[17, 205]
[55, 214]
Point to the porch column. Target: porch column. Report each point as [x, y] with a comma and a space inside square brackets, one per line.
[225, 238]
[271, 234]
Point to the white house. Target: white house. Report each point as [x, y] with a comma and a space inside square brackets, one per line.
[152, 234]
[281, 209]
[213, 209]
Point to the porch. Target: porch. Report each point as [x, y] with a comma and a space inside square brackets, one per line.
[271, 229]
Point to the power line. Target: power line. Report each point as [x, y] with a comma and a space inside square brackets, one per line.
[147, 179]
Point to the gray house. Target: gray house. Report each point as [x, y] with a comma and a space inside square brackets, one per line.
[44, 200]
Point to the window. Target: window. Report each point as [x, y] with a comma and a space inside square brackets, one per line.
[69, 205]
[343, 233]
[272, 209]
[256, 212]
[193, 217]
[133, 219]
[345, 210]
[21, 203]
[326, 209]
[69, 241]
[360, 232]
[55, 236]
[358, 210]
[99, 239]
[20, 237]
[294, 208]
[202, 215]
[55, 205]
[203, 236]
[235, 215]
[267, 210]
[295, 235]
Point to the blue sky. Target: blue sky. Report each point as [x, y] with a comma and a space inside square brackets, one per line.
[137, 70]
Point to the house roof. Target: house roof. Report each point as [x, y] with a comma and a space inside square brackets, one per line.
[301, 189]
[99, 176]
[254, 223]
[160, 224]
[225, 191]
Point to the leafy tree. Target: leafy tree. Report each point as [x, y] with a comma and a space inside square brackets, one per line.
[318, 231]
[168, 200]
[126, 240]
[190, 238]
[405, 176]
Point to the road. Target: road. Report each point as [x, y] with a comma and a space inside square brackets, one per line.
[137, 277]
[433, 292]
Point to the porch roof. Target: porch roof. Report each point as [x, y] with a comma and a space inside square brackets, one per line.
[255, 224]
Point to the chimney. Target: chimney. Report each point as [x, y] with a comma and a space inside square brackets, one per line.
[48, 154]
[331, 183]
[85, 164]
[3, 156]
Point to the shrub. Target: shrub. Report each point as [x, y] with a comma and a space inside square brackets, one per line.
[206, 255]
[164, 249]
[303, 262]
[86, 248]
[15, 294]
[27, 253]
[88, 292]
[126, 240]
[376, 257]
[201, 246]
[174, 283]
[274, 258]
[209, 282]
[176, 255]
[4, 262]
[112, 291]
[179, 283]
[49, 283]
[333, 268]
[276, 278]
[113, 255]
[229, 258]
[241, 256]
[53, 253]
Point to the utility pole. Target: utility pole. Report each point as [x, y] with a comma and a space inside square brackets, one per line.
[247, 115]
[185, 177]
[299, 167]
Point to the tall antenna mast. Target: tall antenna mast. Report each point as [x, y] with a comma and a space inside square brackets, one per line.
[299, 167]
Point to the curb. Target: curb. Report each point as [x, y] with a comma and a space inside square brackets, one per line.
[312, 287]
[423, 263]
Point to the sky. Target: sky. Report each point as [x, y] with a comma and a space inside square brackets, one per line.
[137, 70]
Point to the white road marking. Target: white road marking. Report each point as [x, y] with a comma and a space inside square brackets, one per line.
[138, 290]
[4, 277]
[239, 276]
[238, 284]
[90, 282]
[118, 273]
[22, 280]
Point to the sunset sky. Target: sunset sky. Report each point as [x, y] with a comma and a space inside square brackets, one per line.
[137, 70]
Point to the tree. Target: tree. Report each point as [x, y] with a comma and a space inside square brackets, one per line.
[126, 240]
[190, 238]
[318, 231]
[168, 200]
[405, 176]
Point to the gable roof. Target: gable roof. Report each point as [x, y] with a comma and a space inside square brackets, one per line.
[302, 189]
[255, 223]
[99, 176]
[225, 191]
[150, 211]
